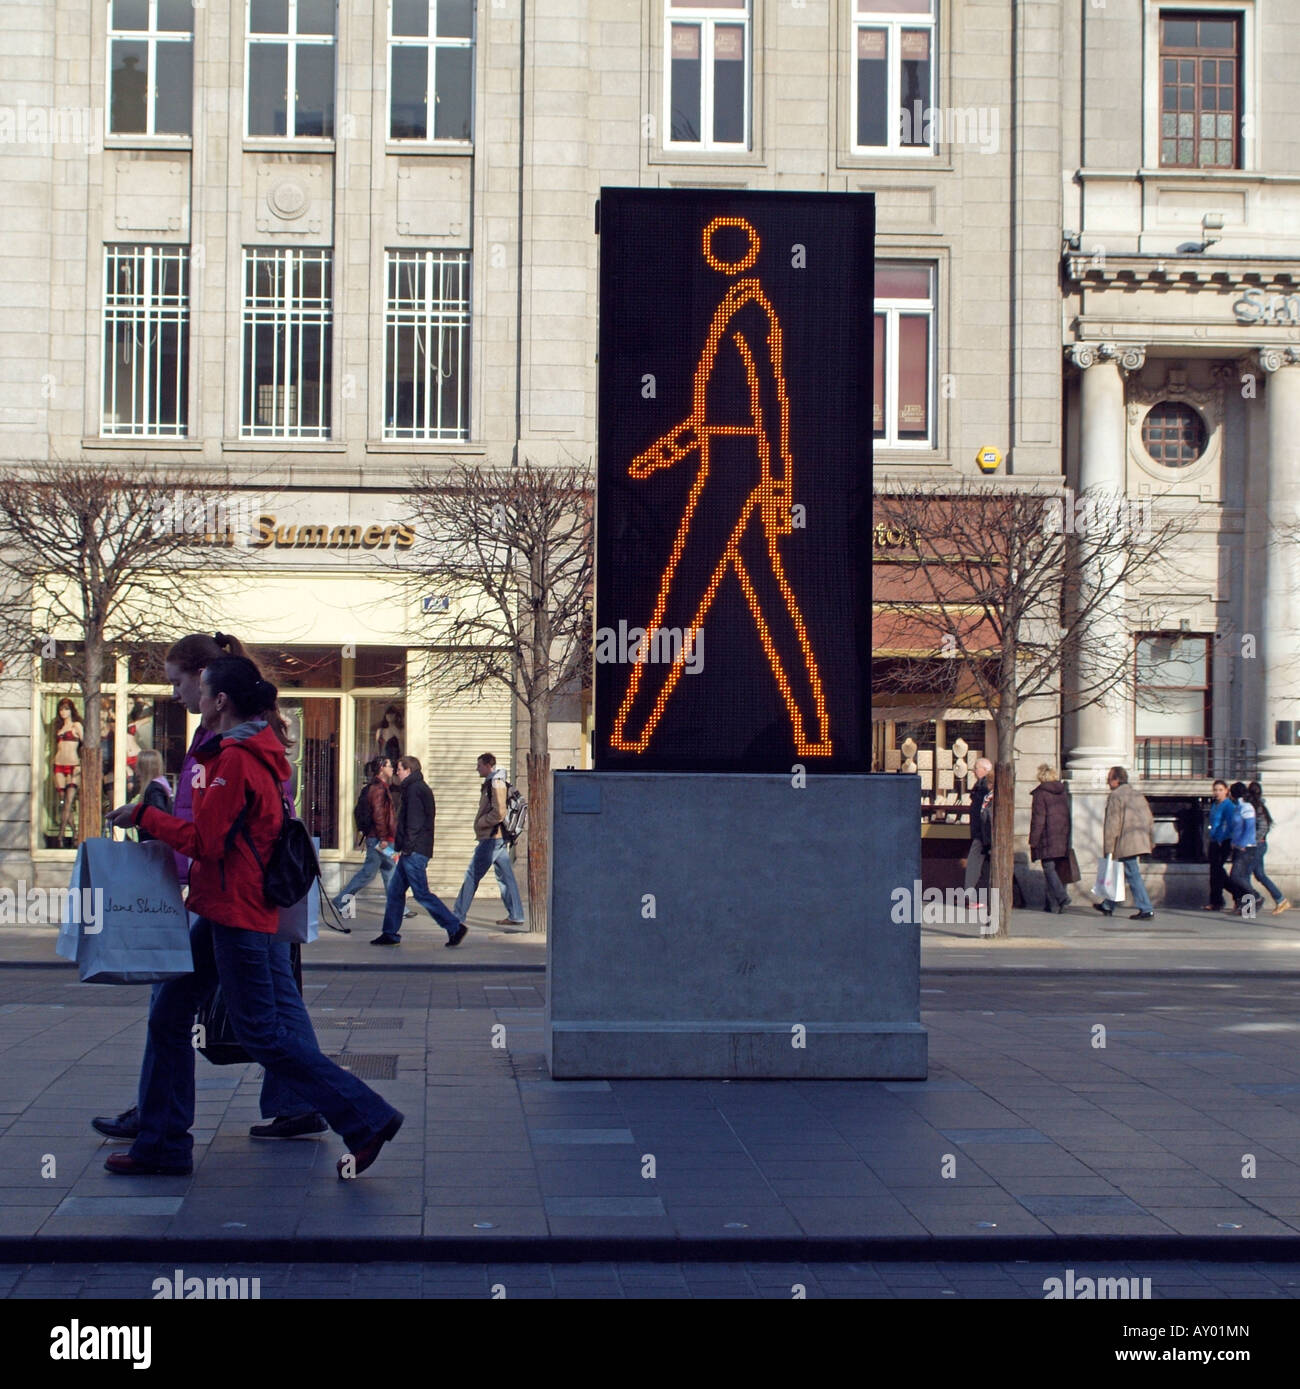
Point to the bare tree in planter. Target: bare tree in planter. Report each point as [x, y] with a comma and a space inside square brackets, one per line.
[1025, 594]
[118, 557]
[520, 540]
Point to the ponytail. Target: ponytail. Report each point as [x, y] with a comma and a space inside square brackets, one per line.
[238, 678]
[199, 650]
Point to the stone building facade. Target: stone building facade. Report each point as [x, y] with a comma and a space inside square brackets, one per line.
[404, 192]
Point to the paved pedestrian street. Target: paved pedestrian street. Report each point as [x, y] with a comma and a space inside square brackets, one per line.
[629, 1279]
[1139, 1110]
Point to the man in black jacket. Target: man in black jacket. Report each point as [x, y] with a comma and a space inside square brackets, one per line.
[413, 844]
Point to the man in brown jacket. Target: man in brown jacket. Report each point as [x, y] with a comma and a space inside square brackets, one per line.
[492, 849]
[1127, 832]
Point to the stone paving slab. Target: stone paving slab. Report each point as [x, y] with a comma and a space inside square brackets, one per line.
[1028, 1130]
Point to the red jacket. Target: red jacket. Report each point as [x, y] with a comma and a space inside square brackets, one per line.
[226, 887]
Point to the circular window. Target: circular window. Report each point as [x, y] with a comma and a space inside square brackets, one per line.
[1173, 434]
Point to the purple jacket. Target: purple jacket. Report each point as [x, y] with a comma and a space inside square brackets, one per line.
[184, 806]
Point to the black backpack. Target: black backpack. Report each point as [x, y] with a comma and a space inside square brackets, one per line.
[292, 867]
[363, 813]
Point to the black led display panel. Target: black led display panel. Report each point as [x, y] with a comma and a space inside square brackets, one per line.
[733, 504]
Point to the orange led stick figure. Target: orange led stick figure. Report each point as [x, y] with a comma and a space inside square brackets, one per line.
[736, 439]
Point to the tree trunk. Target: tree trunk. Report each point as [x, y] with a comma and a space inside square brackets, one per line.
[90, 809]
[1002, 870]
[539, 838]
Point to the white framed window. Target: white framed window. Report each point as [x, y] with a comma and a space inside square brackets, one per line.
[904, 361]
[426, 345]
[287, 343]
[894, 74]
[708, 74]
[150, 67]
[146, 358]
[289, 68]
[430, 69]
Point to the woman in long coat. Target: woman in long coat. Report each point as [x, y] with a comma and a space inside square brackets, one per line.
[1049, 835]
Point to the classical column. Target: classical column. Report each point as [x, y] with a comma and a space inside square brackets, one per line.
[1279, 641]
[1101, 728]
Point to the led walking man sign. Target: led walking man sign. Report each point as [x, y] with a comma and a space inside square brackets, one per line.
[733, 505]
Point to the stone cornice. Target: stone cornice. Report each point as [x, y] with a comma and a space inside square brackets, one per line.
[1100, 271]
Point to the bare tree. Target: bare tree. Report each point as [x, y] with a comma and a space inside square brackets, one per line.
[118, 558]
[520, 540]
[1015, 599]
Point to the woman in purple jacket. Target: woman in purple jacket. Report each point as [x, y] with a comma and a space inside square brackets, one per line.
[289, 1116]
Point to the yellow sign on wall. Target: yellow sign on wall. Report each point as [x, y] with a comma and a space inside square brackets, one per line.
[988, 459]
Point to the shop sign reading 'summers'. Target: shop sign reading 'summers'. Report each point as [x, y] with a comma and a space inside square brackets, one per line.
[267, 533]
[231, 522]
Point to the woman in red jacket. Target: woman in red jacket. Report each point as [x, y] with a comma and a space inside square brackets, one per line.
[287, 1115]
[233, 939]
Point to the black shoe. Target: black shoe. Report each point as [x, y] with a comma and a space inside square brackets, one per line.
[1104, 910]
[386, 940]
[1142, 916]
[457, 935]
[296, 1126]
[125, 1126]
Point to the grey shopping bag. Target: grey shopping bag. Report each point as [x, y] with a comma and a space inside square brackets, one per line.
[71, 910]
[300, 924]
[138, 928]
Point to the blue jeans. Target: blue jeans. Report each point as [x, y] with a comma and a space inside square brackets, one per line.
[412, 872]
[1244, 863]
[1133, 876]
[278, 1099]
[1274, 891]
[261, 1000]
[490, 853]
[374, 862]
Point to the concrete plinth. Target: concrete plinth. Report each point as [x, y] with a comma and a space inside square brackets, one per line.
[734, 926]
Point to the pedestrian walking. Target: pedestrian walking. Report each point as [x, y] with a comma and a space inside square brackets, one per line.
[977, 856]
[287, 1114]
[414, 846]
[236, 827]
[376, 822]
[1050, 833]
[493, 848]
[1264, 823]
[1243, 853]
[1127, 832]
[1222, 814]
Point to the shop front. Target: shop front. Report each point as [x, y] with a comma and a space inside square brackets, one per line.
[348, 643]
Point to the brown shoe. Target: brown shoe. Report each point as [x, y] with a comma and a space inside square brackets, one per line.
[127, 1166]
[369, 1151]
[1283, 906]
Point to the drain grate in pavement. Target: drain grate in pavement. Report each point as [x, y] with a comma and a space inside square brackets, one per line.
[374, 1024]
[368, 1065]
